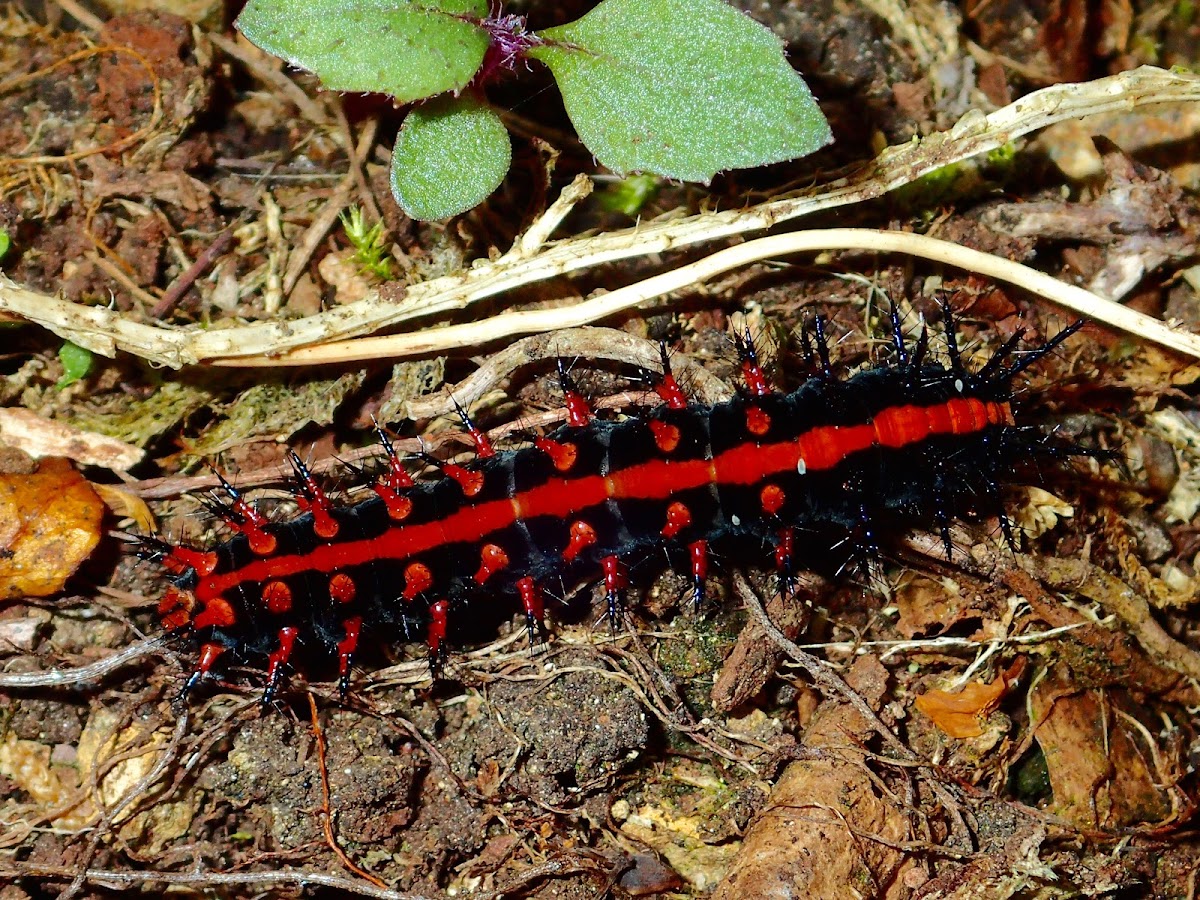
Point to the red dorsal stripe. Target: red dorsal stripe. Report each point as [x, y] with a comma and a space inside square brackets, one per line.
[820, 448]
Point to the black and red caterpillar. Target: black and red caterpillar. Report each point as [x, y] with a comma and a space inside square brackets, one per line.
[814, 478]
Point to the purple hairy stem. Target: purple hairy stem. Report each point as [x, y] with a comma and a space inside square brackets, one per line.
[507, 42]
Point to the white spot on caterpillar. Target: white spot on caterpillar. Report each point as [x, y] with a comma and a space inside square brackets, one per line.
[958, 385]
[736, 520]
[802, 466]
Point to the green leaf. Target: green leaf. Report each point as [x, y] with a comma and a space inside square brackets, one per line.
[451, 153]
[681, 88]
[410, 49]
[76, 363]
[5, 243]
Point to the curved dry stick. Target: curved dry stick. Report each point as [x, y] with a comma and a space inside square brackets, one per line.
[90, 672]
[586, 343]
[438, 340]
[827, 680]
[1120, 599]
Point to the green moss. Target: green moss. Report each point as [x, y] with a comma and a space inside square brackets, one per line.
[370, 245]
[1029, 779]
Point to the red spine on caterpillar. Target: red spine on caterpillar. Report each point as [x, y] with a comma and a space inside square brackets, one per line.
[205, 662]
[244, 517]
[615, 581]
[439, 618]
[346, 649]
[562, 454]
[483, 444]
[470, 481]
[534, 603]
[579, 411]
[492, 559]
[665, 385]
[752, 373]
[394, 482]
[184, 559]
[311, 498]
[277, 660]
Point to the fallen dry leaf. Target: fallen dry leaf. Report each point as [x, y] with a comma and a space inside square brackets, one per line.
[49, 524]
[153, 825]
[960, 714]
[1103, 772]
[27, 765]
[128, 505]
[930, 606]
[828, 829]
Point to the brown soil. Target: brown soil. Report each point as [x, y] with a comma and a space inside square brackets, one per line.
[939, 743]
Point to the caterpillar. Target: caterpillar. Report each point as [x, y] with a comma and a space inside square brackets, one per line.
[815, 479]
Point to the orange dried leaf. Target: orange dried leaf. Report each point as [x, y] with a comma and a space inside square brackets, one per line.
[960, 714]
[127, 504]
[49, 524]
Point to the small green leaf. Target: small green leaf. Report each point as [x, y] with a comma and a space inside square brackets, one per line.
[5, 243]
[76, 363]
[681, 88]
[450, 155]
[410, 49]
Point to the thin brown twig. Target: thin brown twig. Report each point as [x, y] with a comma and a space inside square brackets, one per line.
[326, 810]
[434, 753]
[358, 151]
[582, 861]
[1119, 598]
[120, 276]
[587, 342]
[180, 285]
[823, 674]
[262, 67]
